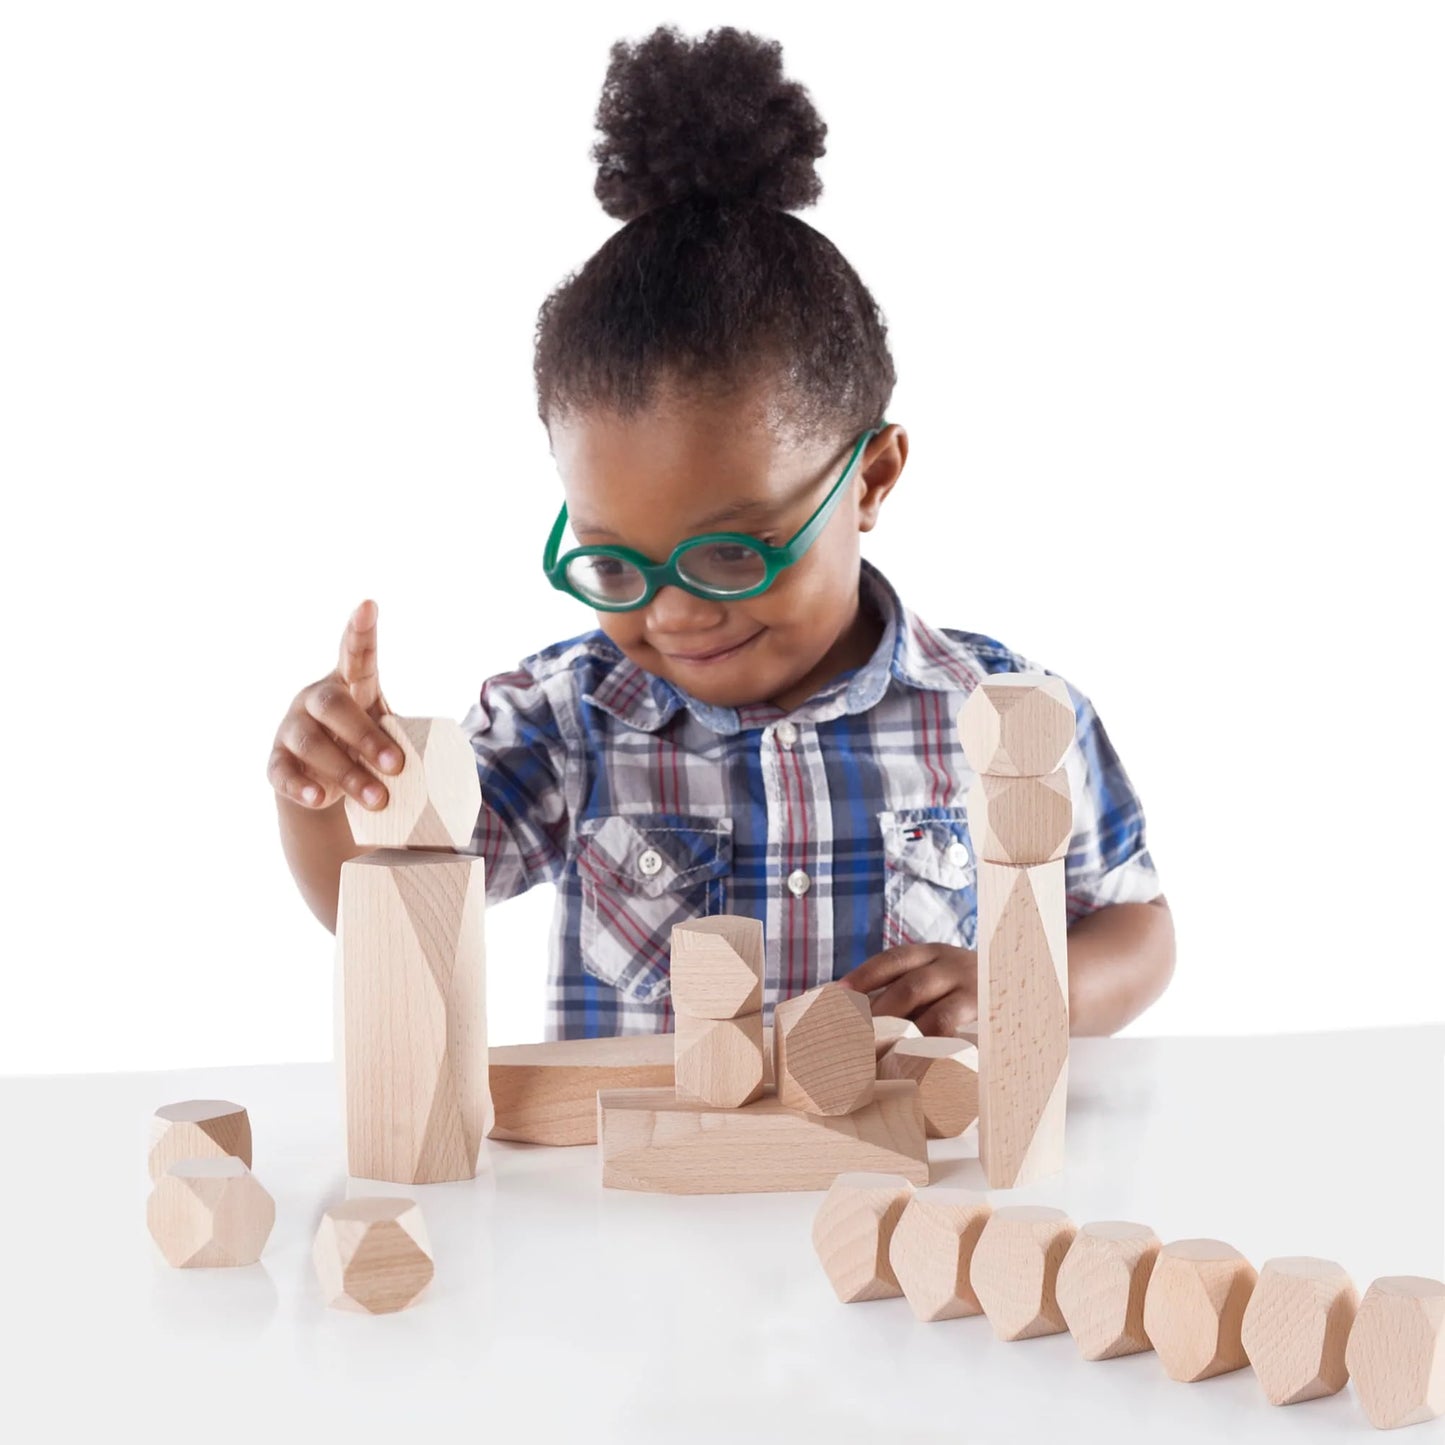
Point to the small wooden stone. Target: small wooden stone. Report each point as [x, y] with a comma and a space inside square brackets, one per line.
[209, 1213]
[946, 1071]
[932, 1251]
[720, 1061]
[852, 1231]
[824, 1060]
[1396, 1351]
[1021, 820]
[372, 1255]
[1101, 1288]
[888, 1031]
[1295, 1328]
[433, 802]
[1194, 1308]
[1018, 724]
[717, 966]
[198, 1129]
[1015, 1269]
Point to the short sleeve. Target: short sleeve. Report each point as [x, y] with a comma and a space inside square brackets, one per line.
[523, 828]
[1108, 859]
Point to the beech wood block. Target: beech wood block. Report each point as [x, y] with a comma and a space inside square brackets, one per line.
[372, 1255]
[852, 1230]
[547, 1093]
[1194, 1308]
[720, 1061]
[209, 1213]
[946, 1072]
[1396, 1351]
[932, 1252]
[1295, 1327]
[1015, 1269]
[716, 966]
[1023, 1005]
[652, 1140]
[1017, 724]
[888, 1031]
[824, 1059]
[433, 802]
[1021, 820]
[412, 1015]
[198, 1129]
[1101, 1288]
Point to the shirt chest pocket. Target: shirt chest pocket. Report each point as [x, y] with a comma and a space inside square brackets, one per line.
[640, 874]
[929, 885]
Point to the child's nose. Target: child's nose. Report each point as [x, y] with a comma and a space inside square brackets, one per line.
[676, 610]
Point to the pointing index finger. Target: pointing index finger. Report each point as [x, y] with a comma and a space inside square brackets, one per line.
[358, 658]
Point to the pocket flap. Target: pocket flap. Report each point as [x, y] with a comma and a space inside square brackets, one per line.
[931, 843]
[655, 853]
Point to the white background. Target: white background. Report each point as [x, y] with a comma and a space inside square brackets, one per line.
[1164, 290]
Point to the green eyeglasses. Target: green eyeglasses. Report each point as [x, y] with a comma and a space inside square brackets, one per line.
[727, 566]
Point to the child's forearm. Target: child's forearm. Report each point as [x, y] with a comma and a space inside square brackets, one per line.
[317, 841]
[1120, 960]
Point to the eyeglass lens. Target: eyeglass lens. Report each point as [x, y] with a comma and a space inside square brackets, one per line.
[719, 567]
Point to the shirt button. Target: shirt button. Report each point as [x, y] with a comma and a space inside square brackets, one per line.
[957, 853]
[799, 882]
[650, 862]
[787, 734]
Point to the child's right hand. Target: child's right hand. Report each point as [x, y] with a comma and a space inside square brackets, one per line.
[328, 744]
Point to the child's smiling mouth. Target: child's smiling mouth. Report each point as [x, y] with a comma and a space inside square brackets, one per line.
[701, 659]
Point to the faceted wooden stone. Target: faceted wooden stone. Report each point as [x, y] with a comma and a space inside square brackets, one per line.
[1295, 1328]
[719, 1061]
[372, 1255]
[716, 966]
[947, 1074]
[198, 1129]
[824, 1060]
[1018, 724]
[932, 1250]
[1015, 1269]
[1101, 1288]
[888, 1031]
[1194, 1308]
[1021, 820]
[852, 1231]
[209, 1213]
[433, 802]
[1396, 1351]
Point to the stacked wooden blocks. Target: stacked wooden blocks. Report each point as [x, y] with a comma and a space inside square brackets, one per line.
[717, 1000]
[411, 987]
[1197, 1303]
[1016, 729]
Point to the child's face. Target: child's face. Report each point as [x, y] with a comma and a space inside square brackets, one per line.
[681, 469]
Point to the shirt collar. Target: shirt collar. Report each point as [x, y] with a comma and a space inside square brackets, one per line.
[909, 651]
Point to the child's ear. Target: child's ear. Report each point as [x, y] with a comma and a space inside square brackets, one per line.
[882, 466]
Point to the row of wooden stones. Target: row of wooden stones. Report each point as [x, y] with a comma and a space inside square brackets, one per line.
[1198, 1303]
[207, 1210]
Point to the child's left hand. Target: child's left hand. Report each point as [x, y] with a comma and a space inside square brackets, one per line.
[934, 984]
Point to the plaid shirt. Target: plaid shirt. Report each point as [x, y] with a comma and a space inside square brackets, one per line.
[841, 824]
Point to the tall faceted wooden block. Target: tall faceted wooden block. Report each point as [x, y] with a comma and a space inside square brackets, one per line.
[1396, 1351]
[1017, 724]
[1194, 1308]
[435, 799]
[852, 1230]
[719, 1061]
[824, 1059]
[946, 1071]
[372, 1255]
[716, 966]
[932, 1252]
[1101, 1288]
[412, 1022]
[1015, 1269]
[1295, 1328]
[209, 1213]
[198, 1129]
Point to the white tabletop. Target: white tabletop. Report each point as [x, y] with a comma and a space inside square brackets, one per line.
[561, 1310]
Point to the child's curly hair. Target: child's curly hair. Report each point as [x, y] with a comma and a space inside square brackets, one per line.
[711, 284]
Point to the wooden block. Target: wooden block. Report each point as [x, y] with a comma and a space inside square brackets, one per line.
[1021, 820]
[652, 1140]
[852, 1230]
[372, 1255]
[1194, 1307]
[824, 1058]
[547, 1093]
[1015, 1269]
[888, 1031]
[1023, 1039]
[1396, 1351]
[946, 1072]
[433, 802]
[717, 966]
[198, 1129]
[932, 1252]
[209, 1213]
[720, 1061]
[1101, 1288]
[412, 1022]
[1295, 1327]
[1017, 724]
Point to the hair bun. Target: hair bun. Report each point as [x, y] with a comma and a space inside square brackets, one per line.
[712, 117]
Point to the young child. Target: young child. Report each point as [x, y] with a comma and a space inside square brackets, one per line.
[758, 724]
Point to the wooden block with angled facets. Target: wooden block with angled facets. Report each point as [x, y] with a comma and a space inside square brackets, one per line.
[1194, 1307]
[198, 1129]
[372, 1255]
[946, 1072]
[435, 799]
[208, 1213]
[1015, 1269]
[932, 1252]
[852, 1230]
[888, 1031]
[1396, 1351]
[1295, 1327]
[411, 1015]
[1017, 724]
[720, 1061]
[716, 966]
[1101, 1288]
[652, 1140]
[1021, 820]
[824, 1057]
